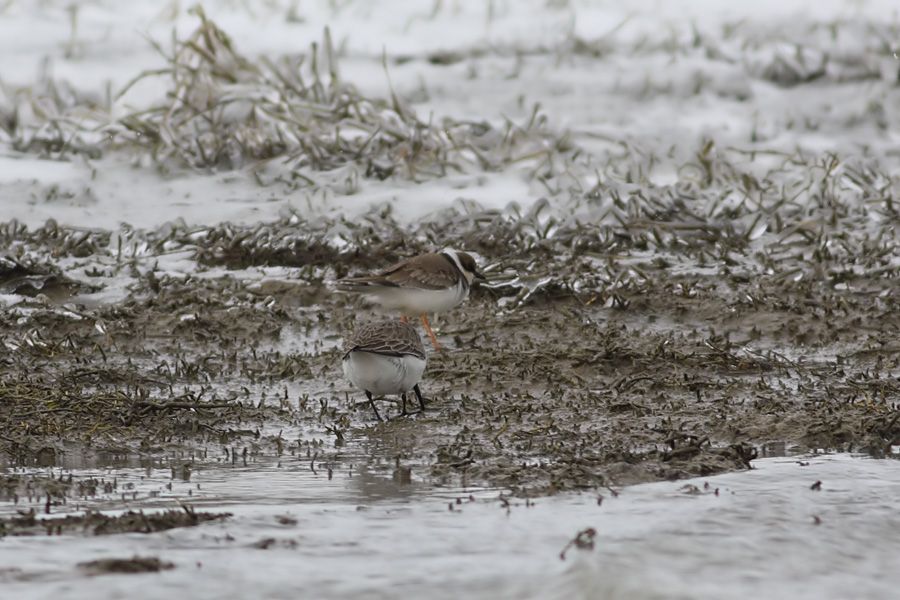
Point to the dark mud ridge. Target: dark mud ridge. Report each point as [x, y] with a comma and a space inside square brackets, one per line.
[135, 564]
[662, 343]
[93, 523]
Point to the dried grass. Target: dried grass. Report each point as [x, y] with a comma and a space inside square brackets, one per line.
[224, 111]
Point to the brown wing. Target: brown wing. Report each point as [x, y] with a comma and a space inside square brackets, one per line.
[426, 271]
[388, 336]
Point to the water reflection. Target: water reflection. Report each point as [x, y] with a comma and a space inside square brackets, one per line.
[363, 527]
[74, 459]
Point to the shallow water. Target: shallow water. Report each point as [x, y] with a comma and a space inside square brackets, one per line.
[363, 533]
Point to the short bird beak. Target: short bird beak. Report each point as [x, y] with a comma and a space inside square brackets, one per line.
[479, 276]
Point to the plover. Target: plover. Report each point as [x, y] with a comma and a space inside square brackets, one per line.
[385, 357]
[428, 283]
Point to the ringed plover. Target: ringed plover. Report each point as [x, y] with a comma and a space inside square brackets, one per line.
[428, 283]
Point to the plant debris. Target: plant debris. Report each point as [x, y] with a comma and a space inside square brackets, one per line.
[583, 540]
[619, 368]
[94, 523]
[135, 564]
[223, 110]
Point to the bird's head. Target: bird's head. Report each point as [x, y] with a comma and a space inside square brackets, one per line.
[466, 264]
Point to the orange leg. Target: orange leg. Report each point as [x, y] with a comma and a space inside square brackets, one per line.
[434, 341]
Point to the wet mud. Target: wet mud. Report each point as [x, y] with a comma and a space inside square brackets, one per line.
[660, 346]
[100, 524]
[136, 564]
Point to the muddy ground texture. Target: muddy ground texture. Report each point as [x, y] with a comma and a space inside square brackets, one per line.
[654, 341]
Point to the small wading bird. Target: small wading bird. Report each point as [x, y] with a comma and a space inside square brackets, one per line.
[385, 357]
[428, 283]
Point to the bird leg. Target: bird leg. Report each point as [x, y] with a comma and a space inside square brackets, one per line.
[404, 319]
[419, 397]
[372, 402]
[434, 341]
[403, 404]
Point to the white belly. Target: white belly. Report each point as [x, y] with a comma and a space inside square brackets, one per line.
[382, 375]
[415, 301]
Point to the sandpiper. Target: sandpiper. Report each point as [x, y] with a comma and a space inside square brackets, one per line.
[385, 357]
[428, 283]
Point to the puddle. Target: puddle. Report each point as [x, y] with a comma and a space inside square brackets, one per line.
[363, 534]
